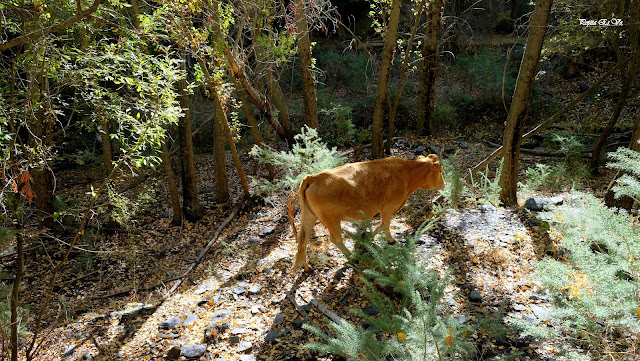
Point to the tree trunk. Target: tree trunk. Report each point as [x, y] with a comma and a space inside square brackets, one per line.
[106, 146]
[306, 65]
[430, 54]
[171, 184]
[15, 293]
[280, 102]
[520, 103]
[219, 157]
[627, 84]
[192, 209]
[383, 79]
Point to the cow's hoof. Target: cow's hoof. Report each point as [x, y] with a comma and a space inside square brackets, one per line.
[391, 241]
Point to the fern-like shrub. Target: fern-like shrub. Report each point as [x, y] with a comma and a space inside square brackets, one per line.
[309, 155]
[410, 324]
[596, 284]
[455, 190]
[487, 190]
[628, 184]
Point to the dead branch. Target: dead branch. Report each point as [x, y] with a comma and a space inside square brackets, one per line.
[327, 312]
[198, 259]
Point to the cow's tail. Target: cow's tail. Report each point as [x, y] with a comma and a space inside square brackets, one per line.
[305, 213]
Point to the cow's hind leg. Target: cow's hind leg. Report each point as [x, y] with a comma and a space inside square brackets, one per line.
[385, 217]
[307, 221]
[335, 234]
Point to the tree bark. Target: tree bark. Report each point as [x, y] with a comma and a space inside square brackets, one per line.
[192, 209]
[15, 293]
[430, 54]
[279, 101]
[171, 184]
[106, 146]
[520, 102]
[383, 79]
[306, 65]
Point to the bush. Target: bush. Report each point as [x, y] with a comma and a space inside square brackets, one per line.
[309, 155]
[410, 324]
[336, 125]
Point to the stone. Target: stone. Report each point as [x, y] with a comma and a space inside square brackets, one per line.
[475, 296]
[239, 330]
[87, 356]
[239, 290]
[272, 336]
[190, 320]
[244, 346]
[173, 335]
[206, 190]
[419, 150]
[193, 351]
[165, 214]
[487, 207]
[69, 351]
[463, 145]
[539, 204]
[244, 284]
[255, 310]
[234, 340]
[254, 289]
[434, 149]
[204, 288]
[462, 320]
[247, 358]
[541, 313]
[278, 319]
[162, 335]
[307, 308]
[170, 324]
[220, 315]
[371, 310]
[174, 353]
[266, 231]
[254, 240]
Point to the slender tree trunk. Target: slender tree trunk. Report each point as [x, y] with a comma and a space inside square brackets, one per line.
[106, 145]
[279, 101]
[383, 79]
[219, 157]
[171, 184]
[306, 65]
[430, 54]
[192, 209]
[520, 102]
[403, 72]
[627, 84]
[135, 12]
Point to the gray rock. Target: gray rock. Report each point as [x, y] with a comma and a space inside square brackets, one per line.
[170, 324]
[541, 313]
[539, 204]
[174, 353]
[307, 308]
[297, 322]
[475, 296]
[247, 358]
[254, 240]
[266, 231]
[463, 145]
[519, 307]
[272, 336]
[254, 289]
[193, 351]
[69, 351]
[173, 335]
[278, 319]
[120, 354]
[239, 330]
[434, 149]
[371, 310]
[239, 290]
[419, 150]
[244, 346]
[162, 335]
[165, 214]
[487, 207]
[220, 315]
[204, 288]
[87, 356]
[234, 340]
[190, 320]
[462, 320]
[206, 190]
[255, 310]
[244, 284]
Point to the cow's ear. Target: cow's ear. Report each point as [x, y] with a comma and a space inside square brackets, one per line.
[434, 158]
[421, 157]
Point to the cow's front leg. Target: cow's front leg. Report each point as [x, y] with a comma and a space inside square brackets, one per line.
[335, 235]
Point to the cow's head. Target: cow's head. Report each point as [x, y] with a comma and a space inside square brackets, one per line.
[434, 179]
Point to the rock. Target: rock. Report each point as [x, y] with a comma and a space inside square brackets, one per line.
[541, 313]
[297, 322]
[165, 214]
[239, 290]
[254, 240]
[339, 275]
[255, 310]
[487, 207]
[247, 358]
[217, 322]
[475, 296]
[519, 307]
[174, 353]
[583, 87]
[272, 336]
[234, 340]
[162, 335]
[307, 308]
[266, 231]
[193, 351]
[371, 310]
[278, 319]
[254, 289]
[244, 346]
[206, 190]
[239, 330]
[244, 284]
[190, 320]
[434, 149]
[462, 320]
[87, 356]
[69, 351]
[463, 145]
[170, 324]
[120, 354]
[173, 335]
[132, 309]
[419, 150]
[539, 204]
[204, 288]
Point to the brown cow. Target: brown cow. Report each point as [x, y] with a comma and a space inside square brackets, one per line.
[343, 193]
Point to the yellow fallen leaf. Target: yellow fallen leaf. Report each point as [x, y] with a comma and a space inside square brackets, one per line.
[449, 340]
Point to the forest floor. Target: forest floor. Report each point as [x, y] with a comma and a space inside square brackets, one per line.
[111, 300]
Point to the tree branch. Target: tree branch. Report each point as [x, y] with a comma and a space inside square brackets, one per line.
[52, 29]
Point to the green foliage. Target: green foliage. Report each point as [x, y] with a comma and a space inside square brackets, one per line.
[309, 155]
[444, 115]
[628, 184]
[486, 189]
[347, 69]
[595, 286]
[410, 324]
[336, 126]
[454, 190]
